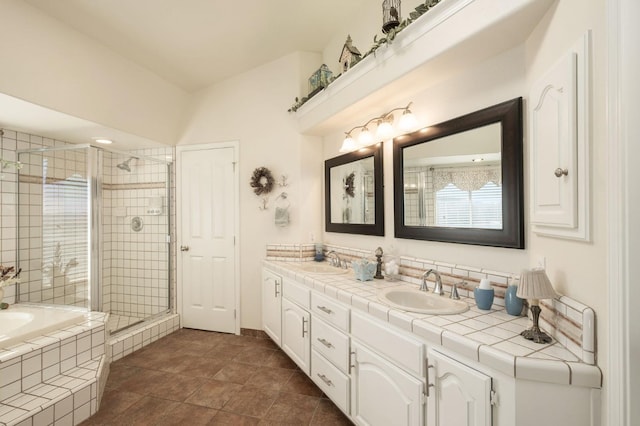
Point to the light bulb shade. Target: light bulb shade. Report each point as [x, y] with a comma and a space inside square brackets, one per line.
[365, 138]
[349, 144]
[534, 284]
[384, 130]
[408, 121]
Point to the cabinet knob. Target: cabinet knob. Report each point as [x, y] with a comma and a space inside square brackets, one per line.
[184, 248]
[561, 172]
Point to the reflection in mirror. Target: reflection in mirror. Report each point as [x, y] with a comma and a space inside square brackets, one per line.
[455, 181]
[356, 202]
[353, 192]
[461, 181]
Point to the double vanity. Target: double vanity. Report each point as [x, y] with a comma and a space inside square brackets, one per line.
[387, 353]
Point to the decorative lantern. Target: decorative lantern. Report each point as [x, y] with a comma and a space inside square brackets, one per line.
[319, 79]
[390, 15]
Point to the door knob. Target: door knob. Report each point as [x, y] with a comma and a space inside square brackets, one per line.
[184, 248]
[561, 172]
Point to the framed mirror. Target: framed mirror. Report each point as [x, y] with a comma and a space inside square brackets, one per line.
[354, 199]
[461, 181]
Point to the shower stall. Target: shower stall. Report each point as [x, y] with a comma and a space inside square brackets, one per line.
[94, 231]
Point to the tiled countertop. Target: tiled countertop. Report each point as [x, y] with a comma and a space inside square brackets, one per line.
[489, 337]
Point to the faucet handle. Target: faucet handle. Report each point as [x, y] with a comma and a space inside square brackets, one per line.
[454, 290]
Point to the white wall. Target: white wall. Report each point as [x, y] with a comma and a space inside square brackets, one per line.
[252, 108]
[51, 65]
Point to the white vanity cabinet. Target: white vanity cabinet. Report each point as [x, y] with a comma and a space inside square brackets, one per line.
[330, 349]
[296, 324]
[383, 394]
[457, 394]
[388, 382]
[272, 305]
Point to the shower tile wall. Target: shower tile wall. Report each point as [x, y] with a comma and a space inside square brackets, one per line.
[418, 182]
[135, 263]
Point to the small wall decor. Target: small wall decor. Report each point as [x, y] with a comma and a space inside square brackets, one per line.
[350, 55]
[349, 187]
[282, 210]
[262, 181]
[283, 181]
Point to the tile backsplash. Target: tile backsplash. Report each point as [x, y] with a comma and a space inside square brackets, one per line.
[569, 322]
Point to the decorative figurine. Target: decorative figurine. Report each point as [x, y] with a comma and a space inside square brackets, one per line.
[378, 254]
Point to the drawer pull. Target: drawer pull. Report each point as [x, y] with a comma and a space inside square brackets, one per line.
[325, 309]
[325, 379]
[304, 322]
[325, 342]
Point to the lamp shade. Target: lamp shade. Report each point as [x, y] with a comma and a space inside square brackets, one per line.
[534, 284]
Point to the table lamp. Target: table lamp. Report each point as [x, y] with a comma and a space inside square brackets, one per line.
[535, 285]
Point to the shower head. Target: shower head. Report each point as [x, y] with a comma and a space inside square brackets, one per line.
[125, 164]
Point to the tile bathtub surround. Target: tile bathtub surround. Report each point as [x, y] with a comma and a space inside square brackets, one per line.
[54, 378]
[490, 337]
[201, 377]
[568, 321]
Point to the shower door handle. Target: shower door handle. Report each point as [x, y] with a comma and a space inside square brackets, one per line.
[184, 248]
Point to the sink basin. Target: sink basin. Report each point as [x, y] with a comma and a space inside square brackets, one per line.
[414, 300]
[321, 268]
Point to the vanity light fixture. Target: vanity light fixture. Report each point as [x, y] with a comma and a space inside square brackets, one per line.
[384, 129]
[535, 285]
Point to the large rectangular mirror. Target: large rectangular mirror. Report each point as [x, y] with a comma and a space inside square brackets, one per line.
[354, 200]
[461, 181]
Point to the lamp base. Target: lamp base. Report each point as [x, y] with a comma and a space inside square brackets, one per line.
[534, 333]
[537, 335]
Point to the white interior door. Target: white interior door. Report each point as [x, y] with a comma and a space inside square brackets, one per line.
[208, 224]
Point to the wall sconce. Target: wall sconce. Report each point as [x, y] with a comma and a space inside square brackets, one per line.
[384, 129]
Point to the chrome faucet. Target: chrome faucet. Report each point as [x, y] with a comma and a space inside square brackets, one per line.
[437, 289]
[335, 261]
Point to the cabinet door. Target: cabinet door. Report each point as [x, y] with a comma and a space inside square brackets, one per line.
[460, 395]
[295, 335]
[271, 305]
[559, 146]
[383, 394]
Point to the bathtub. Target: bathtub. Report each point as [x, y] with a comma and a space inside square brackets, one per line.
[23, 322]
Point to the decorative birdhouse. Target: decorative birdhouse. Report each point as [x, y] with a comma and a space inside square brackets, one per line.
[350, 55]
[319, 79]
[390, 15]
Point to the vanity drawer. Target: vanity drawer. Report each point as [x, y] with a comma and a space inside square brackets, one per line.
[330, 342]
[296, 292]
[331, 311]
[333, 382]
[404, 350]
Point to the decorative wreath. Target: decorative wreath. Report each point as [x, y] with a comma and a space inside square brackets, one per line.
[262, 181]
[349, 187]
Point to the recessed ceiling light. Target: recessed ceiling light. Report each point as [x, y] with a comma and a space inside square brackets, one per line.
[103, 141]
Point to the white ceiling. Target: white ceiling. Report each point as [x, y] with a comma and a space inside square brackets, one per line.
[195, 43]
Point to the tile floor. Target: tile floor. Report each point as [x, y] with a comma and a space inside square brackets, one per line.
[194, 377]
